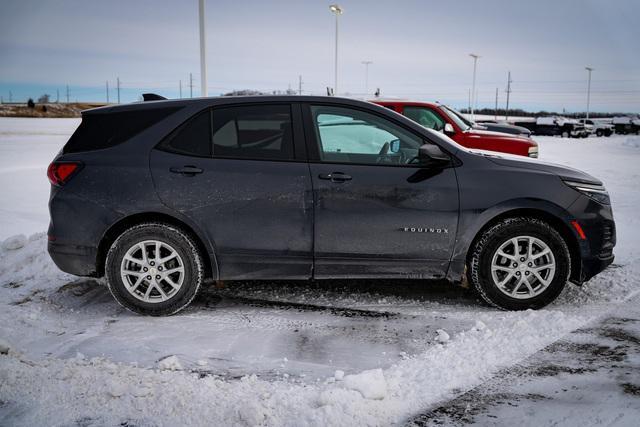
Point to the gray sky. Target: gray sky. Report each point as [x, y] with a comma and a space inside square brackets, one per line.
[419, 49]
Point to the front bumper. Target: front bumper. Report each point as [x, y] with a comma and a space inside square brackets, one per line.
[596, 249]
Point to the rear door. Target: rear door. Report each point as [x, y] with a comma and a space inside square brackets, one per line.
[240, 173]
[378, 213]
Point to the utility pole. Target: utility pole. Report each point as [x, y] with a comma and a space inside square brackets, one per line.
[366, 75]
[118, 85]
[300, 85]
[67, 94]
[190, 85]
[57, 96]
[107, 87]
[589, 69]
[506, 113]
[469, 109]
[473, 90]
[180, 87]
[337, 10]
[496, 108]
[203, 53]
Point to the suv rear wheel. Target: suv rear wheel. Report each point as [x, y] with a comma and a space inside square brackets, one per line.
[520, 263]
[154, 269]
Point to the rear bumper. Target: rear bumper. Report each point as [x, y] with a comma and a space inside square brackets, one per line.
[74, 259]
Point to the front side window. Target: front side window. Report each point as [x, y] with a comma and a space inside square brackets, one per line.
[351, 136]
[425, 117]
[253, 132]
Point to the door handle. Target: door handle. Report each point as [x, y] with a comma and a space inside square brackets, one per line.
[187, 170]
[335, 177]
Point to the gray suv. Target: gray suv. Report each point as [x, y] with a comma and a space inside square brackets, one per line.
[160, 195]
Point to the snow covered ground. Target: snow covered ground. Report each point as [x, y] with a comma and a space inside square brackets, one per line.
[269, 354]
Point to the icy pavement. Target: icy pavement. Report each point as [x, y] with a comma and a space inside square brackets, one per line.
[589, 377]
[291, 354]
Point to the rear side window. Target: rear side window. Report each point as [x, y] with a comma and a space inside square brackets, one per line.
[253, 132]
[103, 130]
[193, 138]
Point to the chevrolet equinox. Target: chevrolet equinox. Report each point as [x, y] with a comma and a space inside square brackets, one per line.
[160, 195]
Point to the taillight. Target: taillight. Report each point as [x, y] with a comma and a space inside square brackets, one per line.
[61, 172]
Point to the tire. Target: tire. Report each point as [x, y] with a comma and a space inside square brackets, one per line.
[485, 257]
[599, 133]
[565, 134]
[167, 292]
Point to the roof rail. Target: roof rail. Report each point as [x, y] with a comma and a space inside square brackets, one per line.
[152, 97]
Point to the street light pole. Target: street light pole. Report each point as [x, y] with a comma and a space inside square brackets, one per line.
[473, 90]
[337, 10]
[589, 69]
[366, 75]
[203, 54]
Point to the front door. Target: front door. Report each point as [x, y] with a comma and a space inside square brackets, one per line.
[235, 172]
[378, 212]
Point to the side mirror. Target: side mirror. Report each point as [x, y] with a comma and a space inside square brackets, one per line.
[394, 146]
[448, 129]
[430, 153]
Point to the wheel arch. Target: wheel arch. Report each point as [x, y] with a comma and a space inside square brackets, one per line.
[553, 220]
[116, 229]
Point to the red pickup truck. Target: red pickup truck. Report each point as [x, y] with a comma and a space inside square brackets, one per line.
[442, 118]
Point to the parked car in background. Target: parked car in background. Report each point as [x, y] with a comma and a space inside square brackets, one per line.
[443, 119]
[504, 127]
[625, 125]
[492, 125]
[555, 126]
[158, 196]
[597, 127]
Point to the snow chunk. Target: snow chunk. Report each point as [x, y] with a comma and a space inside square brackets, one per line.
[14, 242]
[4, 347]
[442, 336]
[480, 325]
[339, 375]
[371, 384]
[170, 363]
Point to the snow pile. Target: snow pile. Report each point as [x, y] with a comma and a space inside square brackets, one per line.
[170, 363]
[14, 242]
[371, 384]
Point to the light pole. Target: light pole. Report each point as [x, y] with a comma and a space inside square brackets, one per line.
[366, 75]
[203, 55]
[337, 10]
[589, 69]
[473, 89]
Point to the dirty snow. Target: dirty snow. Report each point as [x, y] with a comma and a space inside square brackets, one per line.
[266, 353]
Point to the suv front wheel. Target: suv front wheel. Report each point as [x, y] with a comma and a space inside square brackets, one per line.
[520, 263]
[154, 269]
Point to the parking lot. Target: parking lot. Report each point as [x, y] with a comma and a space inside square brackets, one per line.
[297, 353]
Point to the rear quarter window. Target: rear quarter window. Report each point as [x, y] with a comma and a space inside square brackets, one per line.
[103, 130]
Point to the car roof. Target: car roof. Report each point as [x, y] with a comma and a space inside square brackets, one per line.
[224, 100]
[405, 102]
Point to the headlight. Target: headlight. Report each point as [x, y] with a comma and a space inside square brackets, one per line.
[593, 191]
[533, 152]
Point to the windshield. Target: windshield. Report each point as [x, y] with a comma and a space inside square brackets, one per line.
[460, 121]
